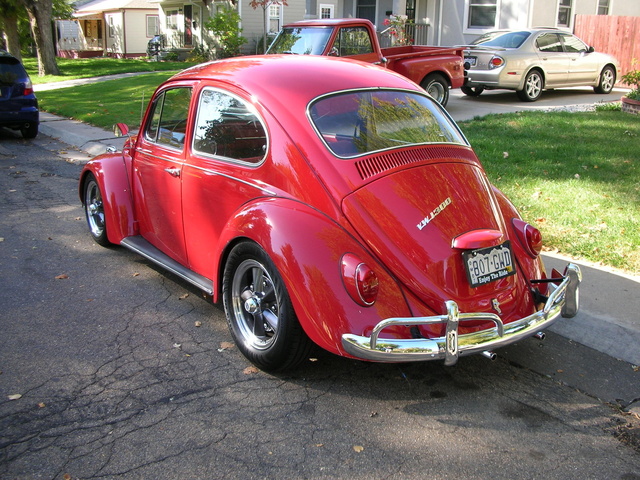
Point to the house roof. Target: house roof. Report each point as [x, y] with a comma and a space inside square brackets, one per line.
[98, 6]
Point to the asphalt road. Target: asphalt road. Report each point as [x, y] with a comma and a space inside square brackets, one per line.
[111, 368]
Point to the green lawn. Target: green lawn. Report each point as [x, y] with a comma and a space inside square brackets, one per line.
[74, 68]
[576, 176]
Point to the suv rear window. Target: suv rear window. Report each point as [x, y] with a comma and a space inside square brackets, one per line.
[11, 71]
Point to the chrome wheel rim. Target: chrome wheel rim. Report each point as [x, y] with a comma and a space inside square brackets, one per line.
[255, 304]
[607, 80]
[436, 90]
[533, 86]
[94, 209]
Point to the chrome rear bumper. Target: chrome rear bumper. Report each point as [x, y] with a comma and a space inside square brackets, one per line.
[562, 301]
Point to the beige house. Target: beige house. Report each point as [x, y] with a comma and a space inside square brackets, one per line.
[115, 28]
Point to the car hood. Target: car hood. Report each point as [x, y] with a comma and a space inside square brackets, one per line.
[411, 218]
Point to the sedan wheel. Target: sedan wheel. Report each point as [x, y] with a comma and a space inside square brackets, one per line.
[533, 85]
[94, 211]
[259, 311]
[472, 91]
[607, 80]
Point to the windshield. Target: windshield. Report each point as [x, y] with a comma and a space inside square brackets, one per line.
[301, 40]
[357, 123]
[502, 39]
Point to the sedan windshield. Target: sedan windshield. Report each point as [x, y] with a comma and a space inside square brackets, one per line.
[301, 40]
[502, 39]
[357, 123]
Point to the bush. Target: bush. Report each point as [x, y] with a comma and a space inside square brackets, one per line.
[224, 26]
[632, 78]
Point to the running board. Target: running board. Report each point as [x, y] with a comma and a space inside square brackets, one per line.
[142, 247]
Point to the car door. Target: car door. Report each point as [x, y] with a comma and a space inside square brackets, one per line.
[583, 67]
[553, 60]
[158, 164]
[355, 43]
[223, 171]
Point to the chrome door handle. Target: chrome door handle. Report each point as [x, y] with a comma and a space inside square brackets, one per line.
[174, 172]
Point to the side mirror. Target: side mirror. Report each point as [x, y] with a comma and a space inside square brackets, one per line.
[591, 50]
[120, 130]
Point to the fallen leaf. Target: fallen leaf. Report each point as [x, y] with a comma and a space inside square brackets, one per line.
[15, 396]
[182, 297]
[41, 405]
[177, 345]
[250, 370]
[505, 154]
[226, 345]
[198, 323]
[358, 448]
[64, 276]
[136, 274]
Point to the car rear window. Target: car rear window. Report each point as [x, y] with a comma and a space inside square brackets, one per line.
[506, 40]
[357, 123]
[11, 70]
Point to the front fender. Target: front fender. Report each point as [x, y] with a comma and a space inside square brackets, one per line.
[110, 171]
[307, 247]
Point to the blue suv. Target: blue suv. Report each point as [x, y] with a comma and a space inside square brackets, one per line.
[18, 103]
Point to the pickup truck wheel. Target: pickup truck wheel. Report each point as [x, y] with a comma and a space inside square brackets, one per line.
[607, 80]
[533, 85]
[438, 87]
[259, 311]
[472, 91]
[94, 211]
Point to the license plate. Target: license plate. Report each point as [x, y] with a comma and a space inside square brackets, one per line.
[471, 60]
[487, 265]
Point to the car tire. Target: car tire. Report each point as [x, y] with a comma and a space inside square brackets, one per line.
[533, 86]
[30, 131]
[472, 91]
[94, 211]
[259, 312]
[607, 80]
[438, 87]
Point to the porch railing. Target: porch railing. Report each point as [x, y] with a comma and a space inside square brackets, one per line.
[413, 33]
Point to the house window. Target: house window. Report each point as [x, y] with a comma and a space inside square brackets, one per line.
[112, 29]
[603, 7]
[564, 13]
[366, 9]
[326, 10]
[172, 19]
[274, 18]
[153, 25]
[482, 13]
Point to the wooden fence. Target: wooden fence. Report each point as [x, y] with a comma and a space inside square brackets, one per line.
[615, 35]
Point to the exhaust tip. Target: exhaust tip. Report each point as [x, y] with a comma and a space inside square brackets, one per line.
[490, 355]
[540, 335]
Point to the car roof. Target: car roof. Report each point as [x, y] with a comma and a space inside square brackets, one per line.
[295, 78]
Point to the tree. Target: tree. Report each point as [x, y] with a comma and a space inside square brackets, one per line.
[9, 12]
[40, 17]
[225, 26]
[265, 4]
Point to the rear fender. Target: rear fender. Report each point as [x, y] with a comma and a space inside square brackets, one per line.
[307, 247]
[110, 171]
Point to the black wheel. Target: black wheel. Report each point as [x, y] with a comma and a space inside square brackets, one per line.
[607, 80]
[94, 211]
[472, 91]
[533, 85]
[438, 87]
[30, 131]
[259, 311]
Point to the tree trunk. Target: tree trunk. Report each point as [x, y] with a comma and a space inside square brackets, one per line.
[11, 37]
[40, 18]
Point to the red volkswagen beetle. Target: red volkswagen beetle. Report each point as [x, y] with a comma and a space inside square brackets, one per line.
[325, 201]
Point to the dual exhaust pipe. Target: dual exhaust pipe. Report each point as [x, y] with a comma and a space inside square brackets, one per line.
[492, 355]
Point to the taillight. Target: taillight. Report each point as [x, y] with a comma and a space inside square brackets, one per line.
[360, 281]
[496, 62]
[529, 236]
[28, 88]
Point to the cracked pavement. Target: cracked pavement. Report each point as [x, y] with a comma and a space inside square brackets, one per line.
[123, 371]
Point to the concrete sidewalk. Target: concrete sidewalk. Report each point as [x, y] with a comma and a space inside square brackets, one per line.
[609, 317]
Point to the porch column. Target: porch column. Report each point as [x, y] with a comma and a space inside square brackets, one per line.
[399, 7]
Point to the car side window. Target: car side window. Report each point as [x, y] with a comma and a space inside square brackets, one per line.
[168, 124]
[573, 44]
[228, 127]
[353, 41]
[549, 42]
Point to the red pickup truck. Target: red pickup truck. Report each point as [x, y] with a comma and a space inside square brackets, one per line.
[436, 69]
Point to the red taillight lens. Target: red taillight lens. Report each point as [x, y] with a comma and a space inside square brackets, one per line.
[28, 88]
[529, 236]
[496, 62]
[360, 280]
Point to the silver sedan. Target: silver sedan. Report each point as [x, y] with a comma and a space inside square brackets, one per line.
[530, 61]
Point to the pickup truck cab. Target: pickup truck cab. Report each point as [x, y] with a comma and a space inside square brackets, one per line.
[435, 69]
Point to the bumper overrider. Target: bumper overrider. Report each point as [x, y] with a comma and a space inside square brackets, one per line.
[563, 300]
